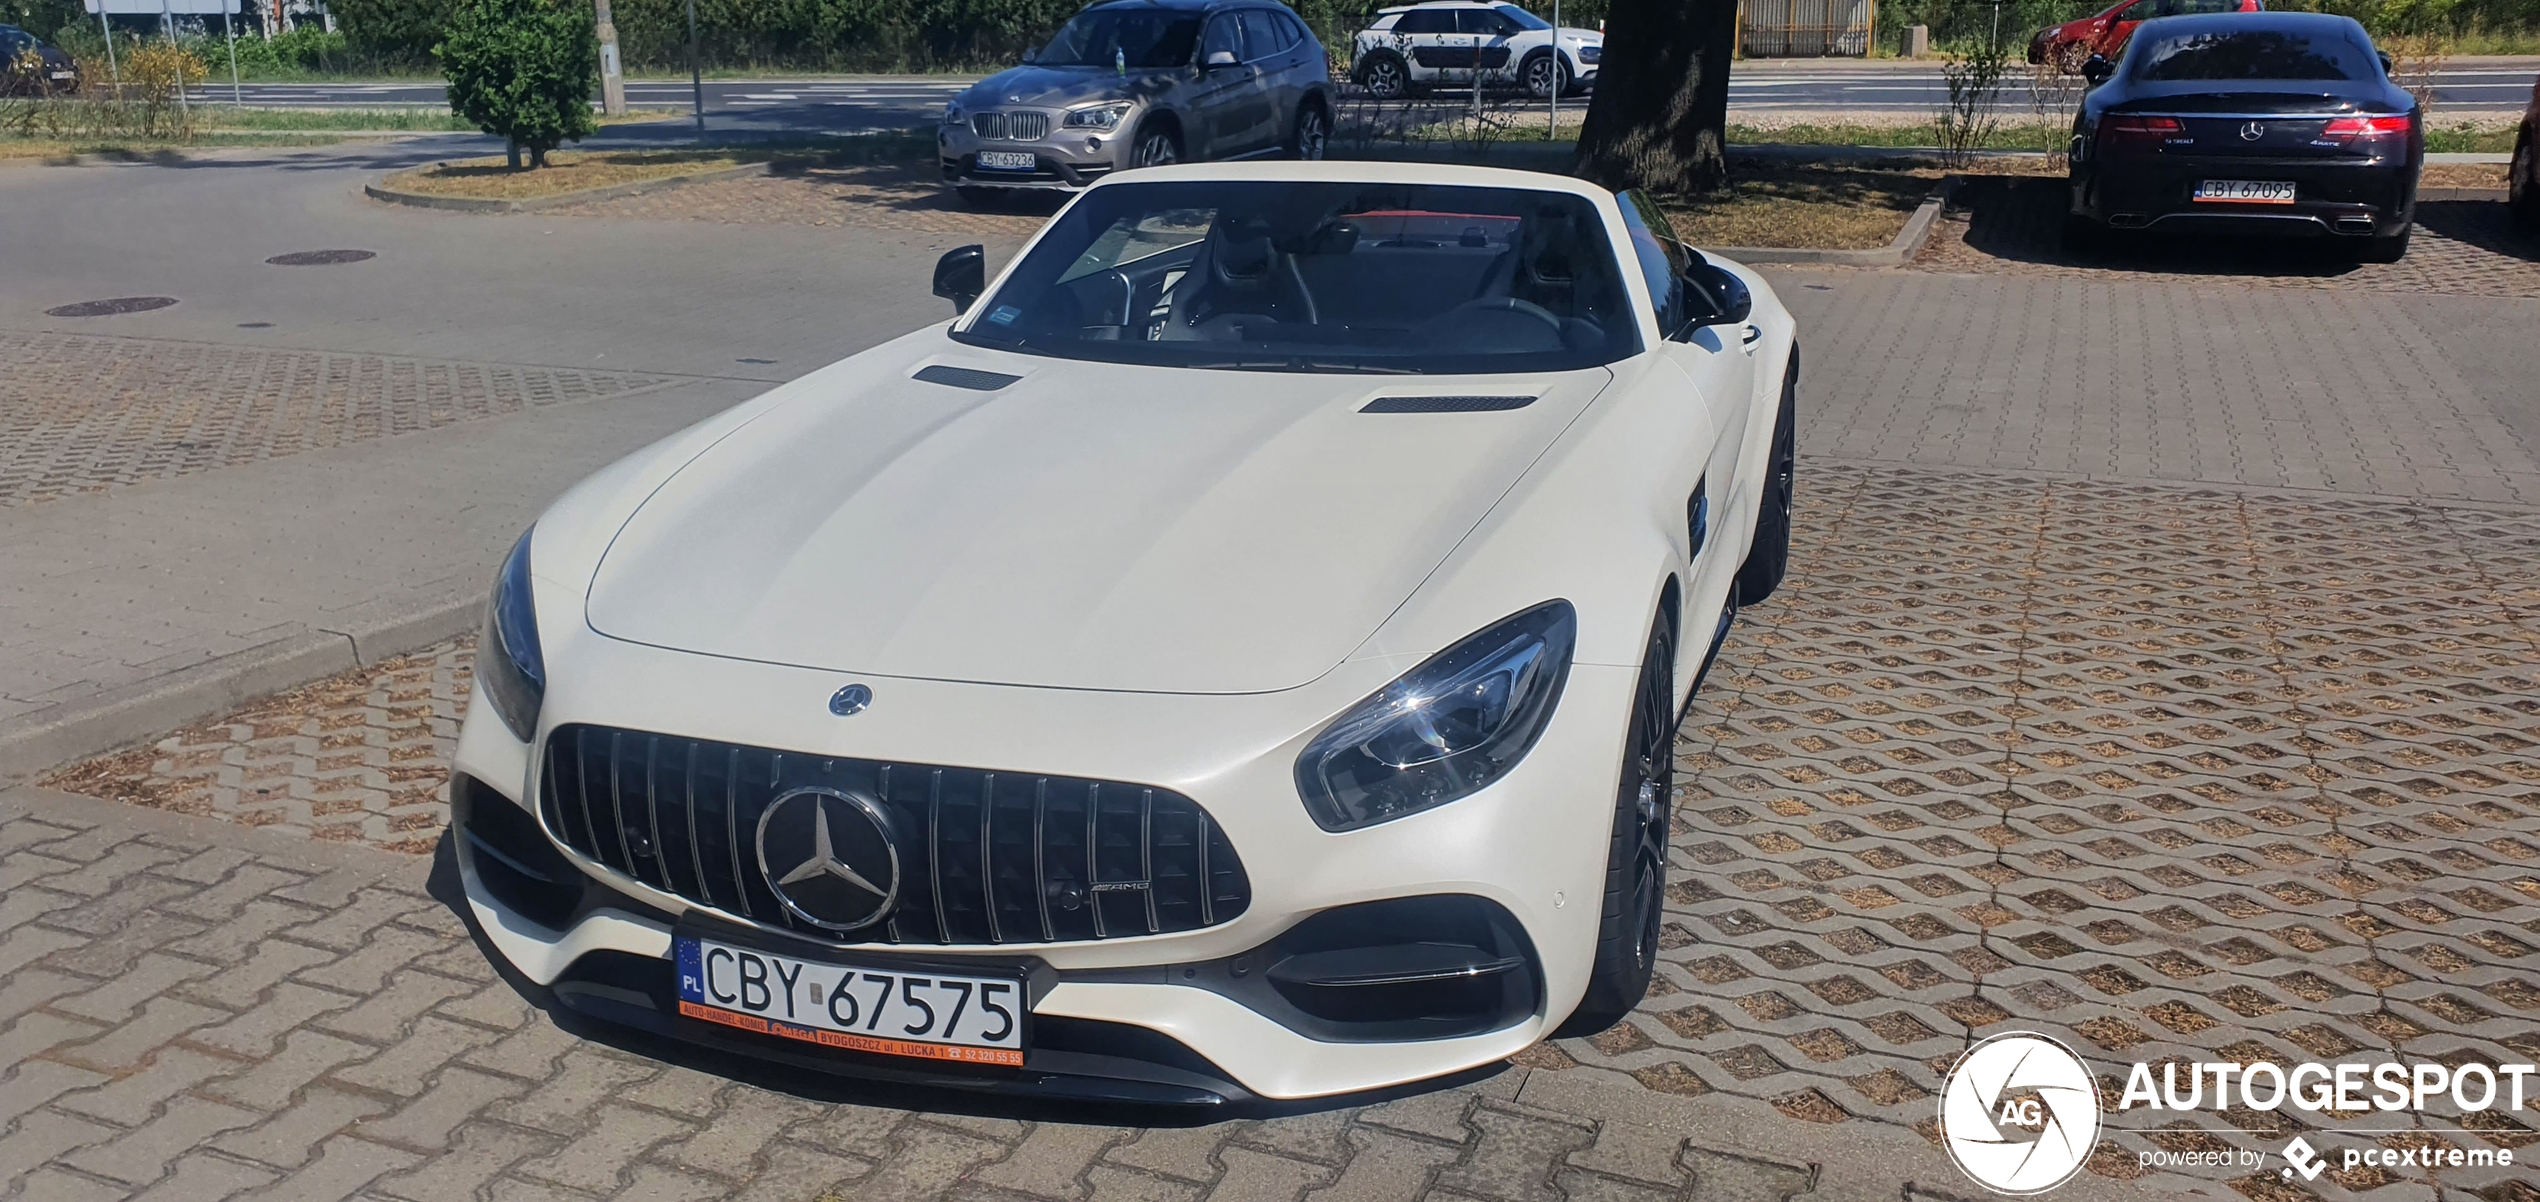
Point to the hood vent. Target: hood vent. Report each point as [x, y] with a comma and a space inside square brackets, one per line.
[1446, 404]
[965, 377]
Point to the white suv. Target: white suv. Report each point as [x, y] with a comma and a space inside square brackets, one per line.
[1422, 45]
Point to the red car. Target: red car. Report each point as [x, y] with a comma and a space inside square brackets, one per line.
[2105, 35]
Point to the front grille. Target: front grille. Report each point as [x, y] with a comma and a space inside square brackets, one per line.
[1000, 857]
[1011, 127]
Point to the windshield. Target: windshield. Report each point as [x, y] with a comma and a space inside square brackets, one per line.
[2256, 54]
[1282, 276]
[1524, 19]
[1126, 37]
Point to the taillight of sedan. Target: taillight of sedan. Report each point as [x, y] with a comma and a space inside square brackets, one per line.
[2125, 133]
[2350, 130]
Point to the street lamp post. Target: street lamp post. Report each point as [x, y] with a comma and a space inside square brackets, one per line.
[696, 72]
[612, 82]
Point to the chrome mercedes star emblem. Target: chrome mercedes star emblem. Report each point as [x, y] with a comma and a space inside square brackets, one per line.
[850, 700]
[850, 876]
[2252, 132]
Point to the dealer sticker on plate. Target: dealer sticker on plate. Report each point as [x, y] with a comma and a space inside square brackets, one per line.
[891, 1011]
[2246, 191]
[1006, 160]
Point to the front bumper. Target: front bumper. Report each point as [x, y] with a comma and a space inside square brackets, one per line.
[1065, 159]
[1173, 1017]
[2353, 198]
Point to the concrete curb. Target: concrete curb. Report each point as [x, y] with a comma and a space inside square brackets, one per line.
[220, 685]
[2499, 195]
[1908, 242]
[470, 204]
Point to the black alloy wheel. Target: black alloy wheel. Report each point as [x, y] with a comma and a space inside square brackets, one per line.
[2522, 184]
[1635, 894]
[1386, 77]
[1156, 147]
[1545, 73]
[1312, 138]
[1768, 559]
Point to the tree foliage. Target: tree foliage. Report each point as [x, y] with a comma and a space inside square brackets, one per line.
[394, 31]
[522, 70]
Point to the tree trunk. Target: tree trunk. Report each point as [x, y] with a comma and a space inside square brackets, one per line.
[1661, 112]
[511, 147]
[537, 158]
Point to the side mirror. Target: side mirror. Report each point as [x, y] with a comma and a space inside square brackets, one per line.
[2097, 69]
[2387, 66]
[1218, 58]
[961, 275]
[1714, 296]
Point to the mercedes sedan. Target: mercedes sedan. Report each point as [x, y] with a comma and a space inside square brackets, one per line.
[1237, 657]
[2248, 123]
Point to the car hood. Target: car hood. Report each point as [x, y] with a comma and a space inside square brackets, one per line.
[1090, 526]
[1058, 87]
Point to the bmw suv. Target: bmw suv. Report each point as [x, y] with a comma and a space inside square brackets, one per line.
[1140, 83]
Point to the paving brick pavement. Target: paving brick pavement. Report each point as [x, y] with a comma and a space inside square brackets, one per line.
[2167, 772]
[80, 413]
[2011, 225]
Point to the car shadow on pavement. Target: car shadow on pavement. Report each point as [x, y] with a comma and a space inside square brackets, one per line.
[445, 887]
[2485, 224]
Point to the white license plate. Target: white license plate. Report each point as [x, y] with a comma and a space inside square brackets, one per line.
[1005, 160]
[61, 75]
[891, 1011]
[2246, 191]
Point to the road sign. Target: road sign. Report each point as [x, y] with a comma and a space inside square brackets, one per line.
[154, 8]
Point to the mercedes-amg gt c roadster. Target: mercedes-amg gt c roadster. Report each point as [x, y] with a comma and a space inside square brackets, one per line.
[1236, 658]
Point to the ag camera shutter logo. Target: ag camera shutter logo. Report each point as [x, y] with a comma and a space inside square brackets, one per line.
[2019, 1113]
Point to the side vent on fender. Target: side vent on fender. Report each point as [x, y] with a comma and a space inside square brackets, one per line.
[965, 377]
[1446, 404]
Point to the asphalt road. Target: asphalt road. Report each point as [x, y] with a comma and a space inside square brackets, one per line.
[850, 103]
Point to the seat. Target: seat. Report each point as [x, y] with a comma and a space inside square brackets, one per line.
[1243, 280]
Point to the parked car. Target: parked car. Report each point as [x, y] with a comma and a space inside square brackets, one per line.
[2105, 34]
[2248, 123]
[2522, 179]
[1236, 657]
[31, 66]
[1438, 43]
[1141, 83]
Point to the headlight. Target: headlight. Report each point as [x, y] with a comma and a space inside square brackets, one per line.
[952, 112]
[508, 662]
[1445, 729]
[1589, 54]
[1101, 116]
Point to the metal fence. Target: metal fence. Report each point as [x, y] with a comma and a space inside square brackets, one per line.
[1804, 28]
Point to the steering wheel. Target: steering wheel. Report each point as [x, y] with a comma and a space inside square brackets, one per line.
[1501, 304]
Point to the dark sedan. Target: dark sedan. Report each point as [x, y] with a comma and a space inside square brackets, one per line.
[2248, 123]
[30, 66]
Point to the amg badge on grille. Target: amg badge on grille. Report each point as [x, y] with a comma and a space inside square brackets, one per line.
[829, 856]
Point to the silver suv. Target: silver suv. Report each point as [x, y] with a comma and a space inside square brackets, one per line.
[1137, 83]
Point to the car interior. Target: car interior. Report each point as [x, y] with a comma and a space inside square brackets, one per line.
[1370, 273]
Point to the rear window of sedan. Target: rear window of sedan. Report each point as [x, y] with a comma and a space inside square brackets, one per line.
[1319, 276]
[2251, 54]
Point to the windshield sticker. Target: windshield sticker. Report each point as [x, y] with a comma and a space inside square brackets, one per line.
[1004, 315]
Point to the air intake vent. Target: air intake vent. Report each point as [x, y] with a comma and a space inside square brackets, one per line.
[989, 857]
[1446, 404]
[965, 377]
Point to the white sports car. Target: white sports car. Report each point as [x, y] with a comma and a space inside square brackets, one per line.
[1236, 658]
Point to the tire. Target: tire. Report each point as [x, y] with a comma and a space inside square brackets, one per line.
[1635, 893]
[1542, 74]
[1157, 146]
[2522, 185]
[1385, 76]
[1311, 137]
[1768, 560]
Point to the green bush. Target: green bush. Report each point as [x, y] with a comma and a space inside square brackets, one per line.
[393, 31]
[522, 70]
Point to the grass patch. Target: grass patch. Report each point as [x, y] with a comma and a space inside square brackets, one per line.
[1817, 206]
[2026, 135]
[566, 171]
[2468, 139]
